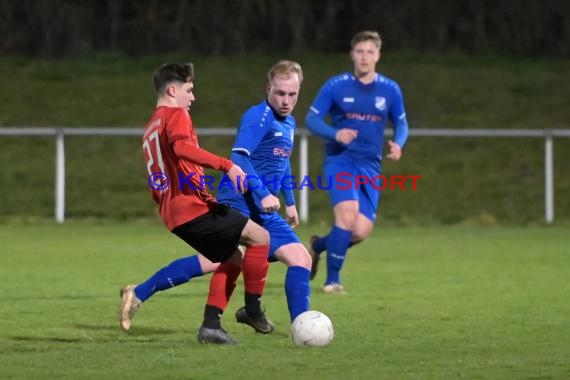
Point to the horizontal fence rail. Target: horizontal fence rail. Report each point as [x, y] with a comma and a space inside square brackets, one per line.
[303, 134]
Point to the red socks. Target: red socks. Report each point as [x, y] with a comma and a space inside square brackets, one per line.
[222, 285]
[254, 268]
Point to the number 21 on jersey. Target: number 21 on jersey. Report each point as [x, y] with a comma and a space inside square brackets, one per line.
[151, 145]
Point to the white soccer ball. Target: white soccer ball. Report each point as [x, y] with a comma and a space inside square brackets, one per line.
[312, 329]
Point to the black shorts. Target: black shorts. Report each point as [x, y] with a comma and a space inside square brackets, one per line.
[215, 234]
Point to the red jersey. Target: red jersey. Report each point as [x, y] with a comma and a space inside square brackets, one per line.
[170, 146]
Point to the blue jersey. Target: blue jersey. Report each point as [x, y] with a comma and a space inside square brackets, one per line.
[364, 107]
[262, 148]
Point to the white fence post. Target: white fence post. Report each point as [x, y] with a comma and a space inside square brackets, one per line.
[59, 176]
[549, 178]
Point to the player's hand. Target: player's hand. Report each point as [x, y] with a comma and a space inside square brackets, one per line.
[395, 151]
[238, 178]
[270, 203]
[291, 216]
[346, 135]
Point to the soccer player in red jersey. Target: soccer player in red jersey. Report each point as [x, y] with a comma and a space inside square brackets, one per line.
[172, 152]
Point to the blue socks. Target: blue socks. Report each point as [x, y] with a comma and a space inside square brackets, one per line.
[320, 244]
[297, 290]
[337, 241]
[177, 272]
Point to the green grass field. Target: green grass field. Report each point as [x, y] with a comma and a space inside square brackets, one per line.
[423, 303]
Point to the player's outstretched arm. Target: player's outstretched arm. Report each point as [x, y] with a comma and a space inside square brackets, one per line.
[187, 151]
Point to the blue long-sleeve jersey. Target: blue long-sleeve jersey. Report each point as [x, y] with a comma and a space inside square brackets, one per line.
[262, 148]
[364, 107]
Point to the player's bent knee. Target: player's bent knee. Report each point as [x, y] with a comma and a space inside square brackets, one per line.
[358, 236]
[346, 214]
[209, 267]
[254, 234]
[346, 221]
[301, 260]
[294, 255]
[361, 230]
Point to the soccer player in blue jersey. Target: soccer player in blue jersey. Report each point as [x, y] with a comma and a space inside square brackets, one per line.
[358, 104]
[262, 148]
[263, 144]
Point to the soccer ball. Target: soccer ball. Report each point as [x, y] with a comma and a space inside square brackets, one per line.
[312, 329]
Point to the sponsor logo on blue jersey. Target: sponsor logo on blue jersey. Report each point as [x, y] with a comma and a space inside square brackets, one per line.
[281, 152]
[363, 116]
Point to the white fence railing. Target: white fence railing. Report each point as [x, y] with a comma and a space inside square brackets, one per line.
[59, 133]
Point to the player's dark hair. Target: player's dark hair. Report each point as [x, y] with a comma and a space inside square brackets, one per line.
[172, 72]
[366, 35]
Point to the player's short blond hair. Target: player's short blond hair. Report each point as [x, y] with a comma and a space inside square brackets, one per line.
[285, 68]
[366, 35]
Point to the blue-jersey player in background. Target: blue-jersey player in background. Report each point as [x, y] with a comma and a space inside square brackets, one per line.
[358, 104]
[263, 146]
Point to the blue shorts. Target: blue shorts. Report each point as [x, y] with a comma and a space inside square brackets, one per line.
[350, 181]
[280, 232]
